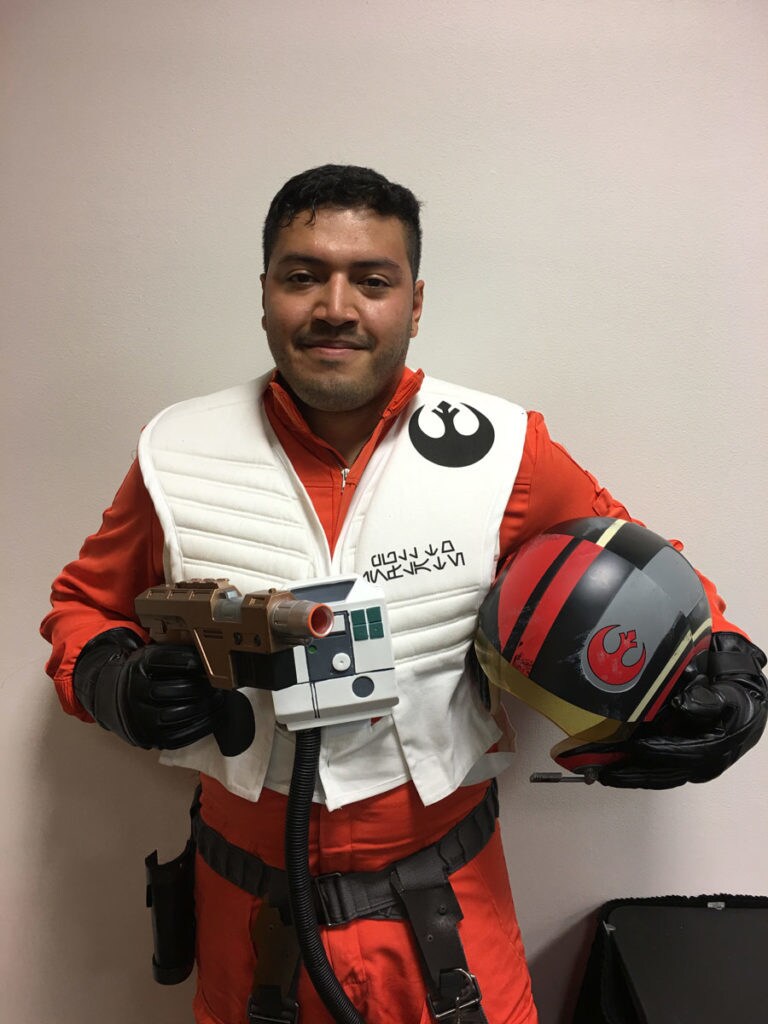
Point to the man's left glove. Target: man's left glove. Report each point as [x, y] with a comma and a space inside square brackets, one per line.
[157, 695]
[719, 714]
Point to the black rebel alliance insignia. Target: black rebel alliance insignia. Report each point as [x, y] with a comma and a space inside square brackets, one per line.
[452, 449]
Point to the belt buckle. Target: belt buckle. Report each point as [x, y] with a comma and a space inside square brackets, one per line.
[289, 1015]
[469, 998]
[328, 920]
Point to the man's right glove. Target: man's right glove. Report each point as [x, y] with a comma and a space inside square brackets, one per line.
[716, 717]
[158, 695]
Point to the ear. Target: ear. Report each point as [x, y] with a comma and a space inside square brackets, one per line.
[263, 278]
[418, 305]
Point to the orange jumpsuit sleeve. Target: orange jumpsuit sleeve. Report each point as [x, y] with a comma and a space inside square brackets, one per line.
[551, 487]
[96, 592]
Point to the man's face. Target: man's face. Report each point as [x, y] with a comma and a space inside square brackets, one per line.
[340, 307]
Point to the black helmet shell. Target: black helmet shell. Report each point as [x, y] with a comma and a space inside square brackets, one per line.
[592, 623]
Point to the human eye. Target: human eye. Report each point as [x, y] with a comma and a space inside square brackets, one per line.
[374, 282]
[299, 277]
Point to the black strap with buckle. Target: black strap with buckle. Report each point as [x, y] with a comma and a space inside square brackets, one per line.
[276, 975]
[434, 914]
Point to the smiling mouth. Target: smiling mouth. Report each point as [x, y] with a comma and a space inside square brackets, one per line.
[337, 345]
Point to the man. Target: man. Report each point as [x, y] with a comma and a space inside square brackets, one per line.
[341, 454]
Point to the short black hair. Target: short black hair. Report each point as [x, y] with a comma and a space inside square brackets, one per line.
[346, 187]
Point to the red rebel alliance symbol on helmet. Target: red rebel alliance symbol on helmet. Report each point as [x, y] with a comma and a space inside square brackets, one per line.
[609, 666]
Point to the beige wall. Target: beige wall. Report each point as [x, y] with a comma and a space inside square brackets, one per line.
[596, 247]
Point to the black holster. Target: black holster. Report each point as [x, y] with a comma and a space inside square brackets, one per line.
[171, 897]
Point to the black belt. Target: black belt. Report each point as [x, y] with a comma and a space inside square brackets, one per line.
[345, 897]
[415, 888]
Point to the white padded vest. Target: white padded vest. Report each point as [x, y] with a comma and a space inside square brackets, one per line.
[423, 524]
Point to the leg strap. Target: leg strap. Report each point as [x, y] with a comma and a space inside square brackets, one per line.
[273, 996]
[434, 914]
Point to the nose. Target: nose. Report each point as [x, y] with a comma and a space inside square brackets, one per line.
[335, 302]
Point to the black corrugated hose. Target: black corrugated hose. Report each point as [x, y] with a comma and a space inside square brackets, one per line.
[300, 881]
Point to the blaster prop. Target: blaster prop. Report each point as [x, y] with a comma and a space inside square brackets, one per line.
[323, 648]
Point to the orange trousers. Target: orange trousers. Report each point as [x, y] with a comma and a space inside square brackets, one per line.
[376, 961]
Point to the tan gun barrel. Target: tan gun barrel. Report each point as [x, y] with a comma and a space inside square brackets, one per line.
[220, 622]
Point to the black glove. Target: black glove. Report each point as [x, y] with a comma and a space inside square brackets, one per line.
[158, 695]
[717, 715]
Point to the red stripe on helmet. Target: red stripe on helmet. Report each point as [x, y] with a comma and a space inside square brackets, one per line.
[522, 576]
[551, 603]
